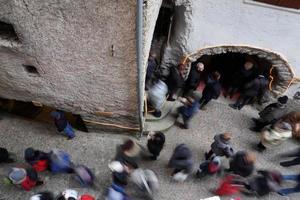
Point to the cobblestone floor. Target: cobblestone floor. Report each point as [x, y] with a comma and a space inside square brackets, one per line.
[96, 150]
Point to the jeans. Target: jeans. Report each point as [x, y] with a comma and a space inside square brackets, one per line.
[69, 131]
[287, 191]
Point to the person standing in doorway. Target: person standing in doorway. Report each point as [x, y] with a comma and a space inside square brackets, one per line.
[255, 88]
[212, 89]
[194, 78]
[62, 124]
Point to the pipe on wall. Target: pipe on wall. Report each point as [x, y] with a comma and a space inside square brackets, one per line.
[139, 49]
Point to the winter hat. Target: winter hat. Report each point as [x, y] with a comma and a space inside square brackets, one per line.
[29, 154]
[42, 196]
[69, 194]
[283, 99]
[130, 148]
[87, 197]
[17, 175]
[116, 166]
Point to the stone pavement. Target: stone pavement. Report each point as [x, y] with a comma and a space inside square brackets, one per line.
[96, 150]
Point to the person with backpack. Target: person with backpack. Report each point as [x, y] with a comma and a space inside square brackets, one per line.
[62, 124]
[84, 175]
[60, 162]
[212, 89]
[270, 114]
[39, 160]
[221, 146]
[117, 189]
[5, 156]
[254, 89]
[209, 167]
[26, 178]
[181, 162]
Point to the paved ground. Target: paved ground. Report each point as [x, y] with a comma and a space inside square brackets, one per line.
[96, 149]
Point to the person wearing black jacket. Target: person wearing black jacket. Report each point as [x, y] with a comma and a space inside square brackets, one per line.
[155, 143]
[255, 88]
[194, 78]
[241, 77]
[175, 81]
[242, 163]
[212, 89]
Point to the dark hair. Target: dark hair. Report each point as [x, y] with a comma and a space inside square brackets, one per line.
[216, 75]
[128, 144]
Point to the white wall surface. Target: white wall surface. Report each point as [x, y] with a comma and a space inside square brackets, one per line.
[234, 22]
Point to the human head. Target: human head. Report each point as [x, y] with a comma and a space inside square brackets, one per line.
[282, 100]
[248, 65]
[152, 55]
[216, 75]
[226, 136]
[130, 148]
[250, 157]
[200, 66]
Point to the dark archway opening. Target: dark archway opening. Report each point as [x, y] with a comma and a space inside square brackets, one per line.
[229, 63]
[38, 112]
[162, 28]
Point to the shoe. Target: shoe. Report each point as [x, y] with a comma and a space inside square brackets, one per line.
[233, 106]
[284, 164]
[157, 114]
[171, 99]
[255, 120]
[254, 129]
[203, 108]
[281, 193]
[70, 137]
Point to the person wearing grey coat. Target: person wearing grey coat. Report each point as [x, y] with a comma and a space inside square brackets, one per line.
[221, 146]
[271, 114]
[181, 160]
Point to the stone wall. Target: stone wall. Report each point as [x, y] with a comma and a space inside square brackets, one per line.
[84, 52]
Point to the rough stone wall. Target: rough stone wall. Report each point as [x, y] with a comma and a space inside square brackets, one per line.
[84, 52]
[209, 23]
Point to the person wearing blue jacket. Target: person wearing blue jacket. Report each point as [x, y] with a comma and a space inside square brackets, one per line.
[187, 111]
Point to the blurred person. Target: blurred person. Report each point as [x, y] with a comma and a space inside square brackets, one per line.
[188, 110]
[194, 77]
[181, 162]
[84, 175]
[127, 153]
[155, 143]
[209, 167]
[39, 160]
[62, 124]
[287, 191]
[175, 80]
[212, 89]
[242, 163]
[221, 146]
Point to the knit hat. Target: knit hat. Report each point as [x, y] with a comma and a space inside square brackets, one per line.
[42, 196]
[17, 175]
[70, 194]
[283, 99]
[116, 166]
[29, 154]
[87, 197]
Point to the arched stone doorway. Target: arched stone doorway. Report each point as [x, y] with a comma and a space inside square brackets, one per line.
[280, 72]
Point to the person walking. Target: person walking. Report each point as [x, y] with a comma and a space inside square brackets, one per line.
[221, 146]
[270, 114]
[255, 88]
[62, 124]
[181, 162]
[194, 77]
[242, 163]
[155, 143]
[188, 110]
[212, 89]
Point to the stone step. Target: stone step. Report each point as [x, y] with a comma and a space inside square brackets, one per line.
[166, 109]
[165, 123]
